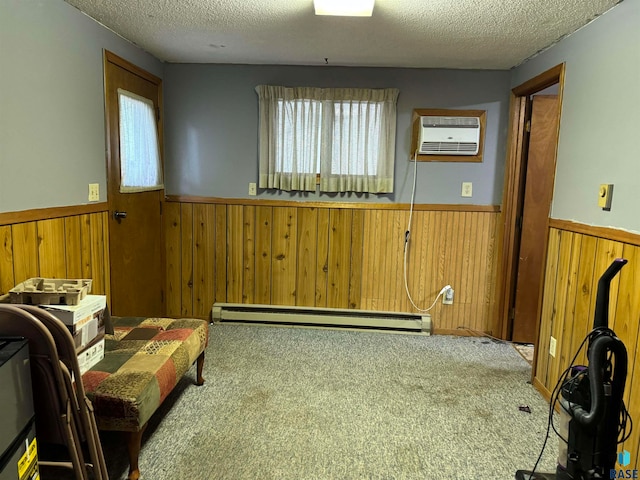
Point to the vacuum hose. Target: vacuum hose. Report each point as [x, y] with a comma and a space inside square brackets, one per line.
[597, 364]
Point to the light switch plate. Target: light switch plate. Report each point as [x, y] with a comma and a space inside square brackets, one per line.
[94, 192]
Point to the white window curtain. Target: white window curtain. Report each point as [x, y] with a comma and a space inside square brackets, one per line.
[140, 164]
[345, 135]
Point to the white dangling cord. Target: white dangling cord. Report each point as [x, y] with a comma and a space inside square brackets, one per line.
[407, 236]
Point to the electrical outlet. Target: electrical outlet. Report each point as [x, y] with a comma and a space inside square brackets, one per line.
[252, 189]
[447, 299]
[94, 192]
[552, 347]
[467, 189]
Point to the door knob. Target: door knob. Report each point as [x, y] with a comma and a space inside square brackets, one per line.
[119, 215]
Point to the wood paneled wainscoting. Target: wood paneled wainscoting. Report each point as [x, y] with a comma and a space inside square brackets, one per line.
[62, 242]
[338, 255]
[577, 256]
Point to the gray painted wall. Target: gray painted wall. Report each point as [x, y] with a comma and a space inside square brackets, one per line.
[52, 135]
[211, 128]
[600, 122]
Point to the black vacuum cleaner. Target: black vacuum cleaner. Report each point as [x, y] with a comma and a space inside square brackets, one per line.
[593, 417]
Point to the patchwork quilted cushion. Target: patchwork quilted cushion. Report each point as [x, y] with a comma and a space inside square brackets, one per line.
[144, 360]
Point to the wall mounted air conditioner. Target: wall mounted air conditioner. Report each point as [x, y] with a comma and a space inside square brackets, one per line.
[449, 135]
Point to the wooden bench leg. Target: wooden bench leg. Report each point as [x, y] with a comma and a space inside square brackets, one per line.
[199, 366]
[134, 441]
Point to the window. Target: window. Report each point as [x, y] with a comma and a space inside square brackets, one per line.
[140, 166]
[344, 136]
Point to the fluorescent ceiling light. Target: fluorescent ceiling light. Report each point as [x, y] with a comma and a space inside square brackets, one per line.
[346, 8]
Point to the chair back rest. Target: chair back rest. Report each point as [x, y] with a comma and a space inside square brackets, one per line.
[49, 388]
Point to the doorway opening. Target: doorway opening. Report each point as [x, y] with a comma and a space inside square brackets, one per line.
[534, 121]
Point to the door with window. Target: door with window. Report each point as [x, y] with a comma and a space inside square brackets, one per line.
[135, 188]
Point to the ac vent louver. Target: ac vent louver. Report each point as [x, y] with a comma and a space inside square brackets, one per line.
[439, 147]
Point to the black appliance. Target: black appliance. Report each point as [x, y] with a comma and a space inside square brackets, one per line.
[18, 447]
[592, 413]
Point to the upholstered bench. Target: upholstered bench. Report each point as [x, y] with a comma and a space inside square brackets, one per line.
[144, 360]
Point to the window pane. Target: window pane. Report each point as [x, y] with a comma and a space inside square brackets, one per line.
[140, 167]
[298, 135]
[356, 137]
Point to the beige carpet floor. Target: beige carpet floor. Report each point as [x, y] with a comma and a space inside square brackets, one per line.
[298, 404]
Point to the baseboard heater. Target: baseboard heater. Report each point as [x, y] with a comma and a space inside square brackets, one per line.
[317, 316]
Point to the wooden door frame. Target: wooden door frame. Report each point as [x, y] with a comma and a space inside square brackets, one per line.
[514, 191]
[109, 57]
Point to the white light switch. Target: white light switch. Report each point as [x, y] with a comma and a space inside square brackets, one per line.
[467, 189]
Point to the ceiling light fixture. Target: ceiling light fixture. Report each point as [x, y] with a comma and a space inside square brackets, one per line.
[345, 8]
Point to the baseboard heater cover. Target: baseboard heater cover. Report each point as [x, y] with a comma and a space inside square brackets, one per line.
[278, 314]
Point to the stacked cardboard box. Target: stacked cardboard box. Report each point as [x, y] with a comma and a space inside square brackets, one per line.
[86, 322]
[91, 355]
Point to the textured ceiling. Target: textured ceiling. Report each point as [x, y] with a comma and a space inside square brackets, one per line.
[476, 34]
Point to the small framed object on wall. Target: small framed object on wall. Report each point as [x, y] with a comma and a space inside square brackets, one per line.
[447, 135]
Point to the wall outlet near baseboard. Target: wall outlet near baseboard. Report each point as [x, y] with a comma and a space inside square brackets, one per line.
[552, 347]
[447, 299]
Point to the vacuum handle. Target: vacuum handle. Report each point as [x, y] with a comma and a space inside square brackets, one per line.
[601, 316]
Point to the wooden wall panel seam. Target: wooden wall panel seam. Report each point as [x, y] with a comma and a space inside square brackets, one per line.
[355, 265]
[249, 260]
[172, 228]
[73, 242]
[97, 254]
[7, 280]
[25, 251]
[52, 248]
[322, 258]
[307, 234]
[186, 259]
[548, 312]
[221, 253]
[107, 256]
[264, 220]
